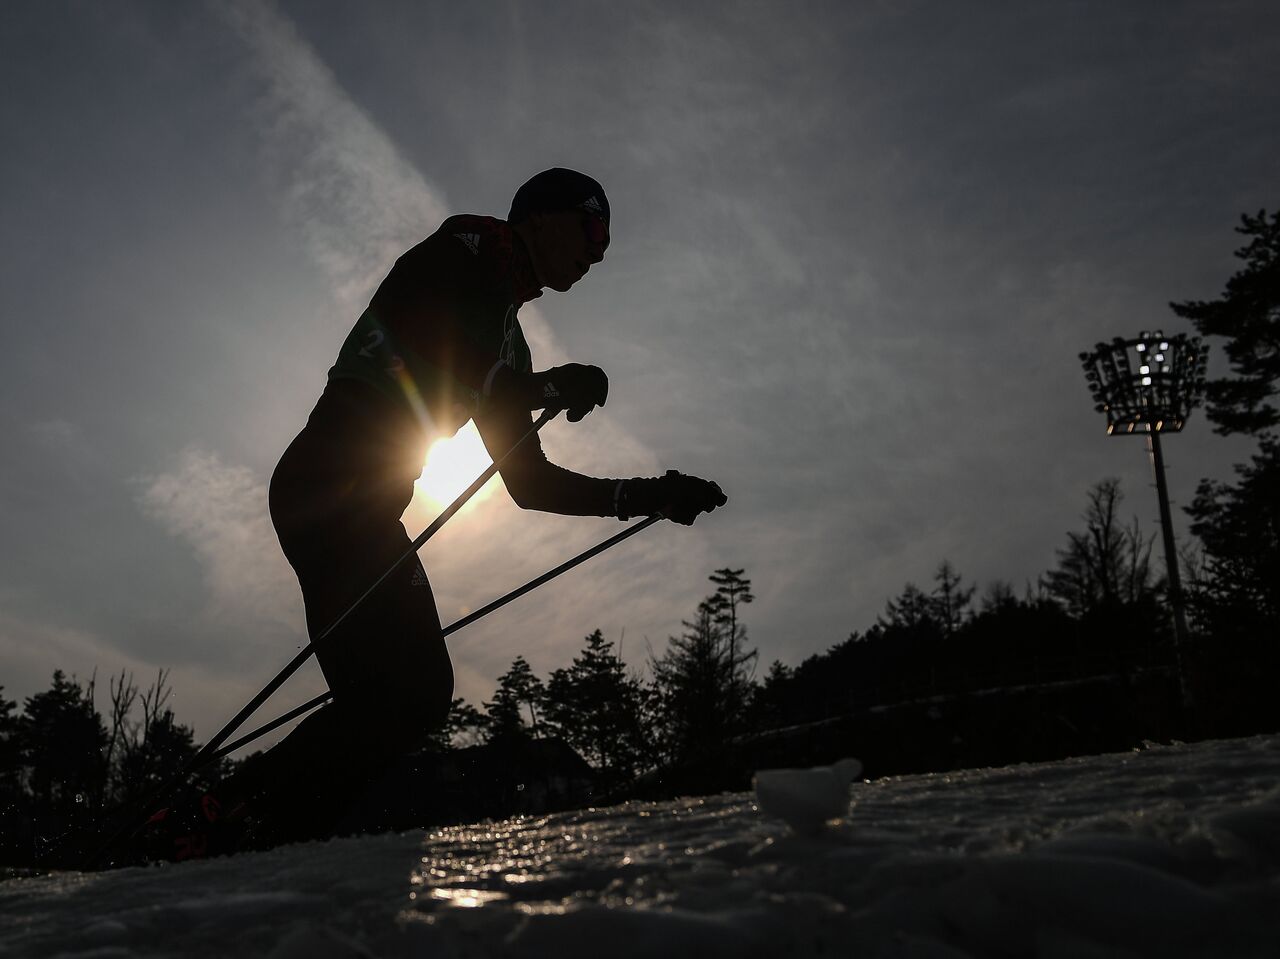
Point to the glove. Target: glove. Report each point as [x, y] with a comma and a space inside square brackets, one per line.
[678, 497]
[574, 387]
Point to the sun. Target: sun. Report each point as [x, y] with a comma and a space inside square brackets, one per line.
[452, 465]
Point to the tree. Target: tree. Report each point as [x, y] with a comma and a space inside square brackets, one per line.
[63, 740]
[10, 752]
[998, 596]
[771, 700]
[518, 689]
[163, 749]
[701, 681]
[1107, 563]
[1248, 315]
[1239, 527]
[145, 753]
[911, 610]
[732, 591]
[464, 726]
[1238, 592]
[950, 599]
[598, 709]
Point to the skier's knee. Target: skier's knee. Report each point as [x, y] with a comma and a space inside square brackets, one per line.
[410, 720]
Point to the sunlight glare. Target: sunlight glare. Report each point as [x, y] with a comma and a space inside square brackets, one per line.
[451, 466]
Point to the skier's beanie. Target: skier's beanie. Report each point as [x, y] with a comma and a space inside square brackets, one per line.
[557, 189]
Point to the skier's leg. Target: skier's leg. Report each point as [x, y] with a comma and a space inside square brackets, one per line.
[336, 500]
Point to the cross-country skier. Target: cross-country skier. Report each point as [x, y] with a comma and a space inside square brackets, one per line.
[439, 344]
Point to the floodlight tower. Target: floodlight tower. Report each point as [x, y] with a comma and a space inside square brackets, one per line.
[1150, 385]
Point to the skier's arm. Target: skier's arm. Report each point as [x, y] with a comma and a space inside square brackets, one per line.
[536, 483]
[532, 480]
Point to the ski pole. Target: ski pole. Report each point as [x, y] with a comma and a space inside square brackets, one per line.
[209, 751]
[451, 628]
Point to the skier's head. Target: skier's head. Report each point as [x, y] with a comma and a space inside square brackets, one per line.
[563, 217]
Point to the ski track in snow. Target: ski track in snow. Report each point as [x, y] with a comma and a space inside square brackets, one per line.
[1169, 851]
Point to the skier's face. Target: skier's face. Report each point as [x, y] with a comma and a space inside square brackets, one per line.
[567, 244]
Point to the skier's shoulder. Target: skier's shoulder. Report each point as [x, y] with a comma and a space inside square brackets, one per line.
[483, 238]
[468, 256]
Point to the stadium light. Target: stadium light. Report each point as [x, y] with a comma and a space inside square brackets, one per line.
[1156, 398]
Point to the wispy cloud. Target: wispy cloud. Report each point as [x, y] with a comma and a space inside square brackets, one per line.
[357, 201]
[221, 512]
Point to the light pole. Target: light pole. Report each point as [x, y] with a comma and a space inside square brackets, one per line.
[1149, 385]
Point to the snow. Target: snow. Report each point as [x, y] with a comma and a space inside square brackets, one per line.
[1168, 851]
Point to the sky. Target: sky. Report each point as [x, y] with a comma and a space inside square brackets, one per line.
[856, 249]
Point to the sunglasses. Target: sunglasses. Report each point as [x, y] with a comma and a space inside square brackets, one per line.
[597, 230]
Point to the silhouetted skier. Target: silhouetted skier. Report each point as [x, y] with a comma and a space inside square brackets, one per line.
[439, 344]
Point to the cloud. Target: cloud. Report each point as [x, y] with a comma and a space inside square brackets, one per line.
[33, 650]
[221, 511]
[358, 203]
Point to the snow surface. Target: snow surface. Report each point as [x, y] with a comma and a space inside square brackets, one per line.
[1169, 851]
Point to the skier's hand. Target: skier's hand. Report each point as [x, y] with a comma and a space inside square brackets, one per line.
[678, 497]
[575, 387]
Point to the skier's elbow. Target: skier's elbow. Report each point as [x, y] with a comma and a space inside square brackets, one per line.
[521, 488]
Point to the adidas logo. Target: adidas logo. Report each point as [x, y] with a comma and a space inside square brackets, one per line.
[419, 578]
[593, 204]
[472, 240]
[550, 390]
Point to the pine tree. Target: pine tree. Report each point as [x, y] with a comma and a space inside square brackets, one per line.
[598, 709]
[1248, 315]
[732, 591]
[63, 739]
[464, 726]
[10, 752]
[950, 599]
[1238, 593]
[771, 700]
[518, 690]
[702, 680]
[911, 610]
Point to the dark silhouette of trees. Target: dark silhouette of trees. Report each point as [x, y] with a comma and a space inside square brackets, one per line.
[146, 753]
[1248, 316]
[1097, 614]
[518, 690]
[63, 742]
[597, 708]
[13, 800]
[463, 726]
[911, 610]
[1107, 563]
[61, 767]
[1234, 594]
[1238, 590]
[950, 599]
[771, 705]
[702, 680]
[733, 591]
[10, 749]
